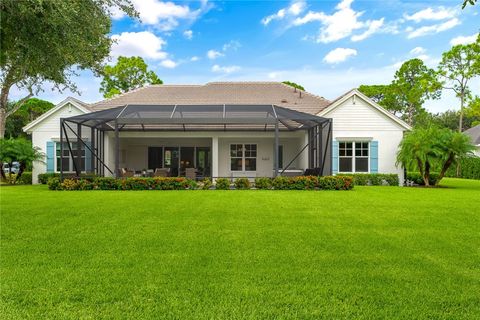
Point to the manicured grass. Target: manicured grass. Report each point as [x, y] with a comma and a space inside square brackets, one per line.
[371, 253]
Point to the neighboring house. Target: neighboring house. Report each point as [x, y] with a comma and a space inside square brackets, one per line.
[222, 129]
[474, 134]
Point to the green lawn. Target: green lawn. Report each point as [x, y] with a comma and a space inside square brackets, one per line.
[371, 253]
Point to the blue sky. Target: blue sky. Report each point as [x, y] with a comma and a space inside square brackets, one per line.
[327, 46]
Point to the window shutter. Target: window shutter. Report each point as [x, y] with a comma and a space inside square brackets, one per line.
[374, 157]
[334, 157]
[50, 156]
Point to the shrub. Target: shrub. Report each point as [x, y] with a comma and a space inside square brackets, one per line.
[336, 183]
[222, 184]
[416, 178]
[263, 183]
[469, 169]
[69, 184]
[105, 183]
[25, 178]
[374, 179]
[206, 184]
[54, 184]
[242, 184]
[43, 177]
[281, 183]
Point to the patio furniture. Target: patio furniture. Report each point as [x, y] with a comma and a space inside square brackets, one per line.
[191, 173]
[125, 173]
[161, 172]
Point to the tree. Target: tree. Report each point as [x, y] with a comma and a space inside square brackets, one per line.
[468, 2]
[28, 112]
[447, 119]
[458, 66]
[20, 150]
[413, 84]
[48, 41]
[293, 84]
[384, 95]
[473, 111]
[129, 73]
[432, 147]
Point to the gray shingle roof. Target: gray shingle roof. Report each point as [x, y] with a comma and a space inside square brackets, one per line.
[474, 134]
[257, 93]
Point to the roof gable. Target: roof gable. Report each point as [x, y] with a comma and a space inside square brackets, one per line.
[354, 93]
[72, 101]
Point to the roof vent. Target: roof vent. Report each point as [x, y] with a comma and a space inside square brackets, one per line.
[300, 94]
[284, 101]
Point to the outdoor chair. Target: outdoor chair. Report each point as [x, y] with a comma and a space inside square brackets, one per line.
[161, 172]
[125, 173]
[191, 173]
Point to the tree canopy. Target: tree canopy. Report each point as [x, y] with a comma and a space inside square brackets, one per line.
[28, 112]
[384, 95]
[458, 66]
[48, 41]
[293, 84]
[127, 74]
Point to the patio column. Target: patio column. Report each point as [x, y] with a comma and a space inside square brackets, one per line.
[117, 151]
[275, 152]
[214, 157]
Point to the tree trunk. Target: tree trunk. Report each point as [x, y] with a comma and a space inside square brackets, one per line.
[462, 100]
[3, 120]
[445, 167]
[426, 176]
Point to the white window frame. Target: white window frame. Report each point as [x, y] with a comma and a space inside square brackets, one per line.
[70, 159]
[354, 156]
[243, 157]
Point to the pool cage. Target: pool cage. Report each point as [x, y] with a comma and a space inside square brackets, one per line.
[82, 147]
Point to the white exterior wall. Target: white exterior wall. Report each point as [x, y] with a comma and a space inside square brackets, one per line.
[355, 119]
[49, 130]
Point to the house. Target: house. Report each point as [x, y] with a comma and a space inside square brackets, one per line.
[474, 134]
[220, 129]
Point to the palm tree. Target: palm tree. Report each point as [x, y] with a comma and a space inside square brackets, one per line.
[454, 146]
[20, 150]
[432, 147]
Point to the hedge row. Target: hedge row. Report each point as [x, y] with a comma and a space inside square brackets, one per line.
[180, 183]
[416, 178]
[25, 178]
[469, 169]
[374, 179]
[43, 177]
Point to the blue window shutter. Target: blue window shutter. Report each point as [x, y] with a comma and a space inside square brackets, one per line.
[334, 157]
[88, 157]
[50, 156]
[374, 157]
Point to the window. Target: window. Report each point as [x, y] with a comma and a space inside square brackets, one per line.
[353, 156]
[67, 160]
[243, 157]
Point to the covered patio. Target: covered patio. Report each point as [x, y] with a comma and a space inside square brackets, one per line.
[95, 142]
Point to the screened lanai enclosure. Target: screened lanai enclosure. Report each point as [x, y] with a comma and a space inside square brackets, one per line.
[195, 141]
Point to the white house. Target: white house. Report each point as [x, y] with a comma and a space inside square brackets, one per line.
[474, 134]
[220, 129]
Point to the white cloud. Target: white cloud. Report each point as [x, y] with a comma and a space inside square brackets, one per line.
[232, 45]
[341, 24]
[293, 10]
[167, 63]
[225, 69]
[464, 39]
[418, 50]
[441, 13]
[432, 29]
[144, 44]
[373, 27]
[194, 58]
[339, 55]
[188, 34]
[213, 54]
[164, 15]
